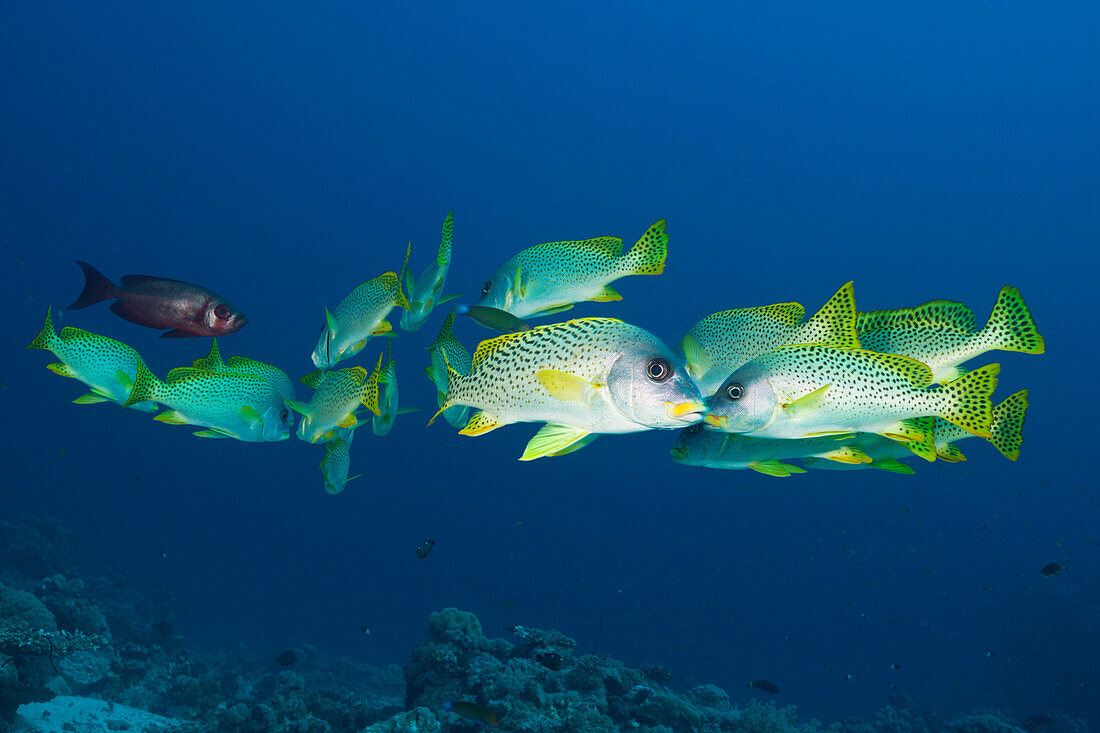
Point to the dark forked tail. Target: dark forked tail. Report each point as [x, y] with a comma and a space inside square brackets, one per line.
[96, 288]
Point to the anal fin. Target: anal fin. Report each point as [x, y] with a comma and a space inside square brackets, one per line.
[479, 424]
[773, 467]
[606, 294]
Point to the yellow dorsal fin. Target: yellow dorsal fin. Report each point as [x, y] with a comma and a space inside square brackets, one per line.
[611, 246]
[835, 323]
[566, 386]
[918, 374]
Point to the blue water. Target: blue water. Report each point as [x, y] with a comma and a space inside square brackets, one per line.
[282, 153]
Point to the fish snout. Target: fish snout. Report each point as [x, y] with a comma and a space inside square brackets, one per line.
[718, 421]
[678, 453]
[691, 411]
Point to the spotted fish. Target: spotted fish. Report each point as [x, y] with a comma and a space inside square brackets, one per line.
[549, 278]
[813, 390]
[941, 333]
[336, 396]
[359, 316]
[243, 365]
[1006, 435]
[107, 366]
[424, 292]
[238, 406]
[582, 378]
[722, 342]
[337, 461]
[459, 359]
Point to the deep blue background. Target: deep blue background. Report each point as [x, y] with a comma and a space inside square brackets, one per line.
[282, 153]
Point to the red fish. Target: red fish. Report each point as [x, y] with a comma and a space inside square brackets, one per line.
[157, 302]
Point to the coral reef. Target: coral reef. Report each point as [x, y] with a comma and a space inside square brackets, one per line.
[83, 651]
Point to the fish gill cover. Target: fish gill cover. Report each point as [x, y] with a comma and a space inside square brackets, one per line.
[278, 160]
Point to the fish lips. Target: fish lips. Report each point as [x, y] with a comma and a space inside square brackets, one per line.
[689, 412]
[716, 421]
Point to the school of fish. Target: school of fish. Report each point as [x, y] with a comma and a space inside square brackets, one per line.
[760, 387]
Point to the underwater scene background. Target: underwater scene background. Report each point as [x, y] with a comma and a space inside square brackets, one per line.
[280, 154]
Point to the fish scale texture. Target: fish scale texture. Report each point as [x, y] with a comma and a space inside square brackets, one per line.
[869, 388]
[503, 369]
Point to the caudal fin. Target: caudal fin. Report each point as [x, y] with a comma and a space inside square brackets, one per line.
[369, 395]
[1008, 425]
[96, 288]
[47, 338]
[968, 403]
[1011, 326]
[401, 300]
[147, 388]
[647, 256]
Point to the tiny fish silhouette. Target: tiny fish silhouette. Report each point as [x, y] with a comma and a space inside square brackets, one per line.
[286, 658]
[158, 302]
[472, 711]
[424, 548]
[769, 687]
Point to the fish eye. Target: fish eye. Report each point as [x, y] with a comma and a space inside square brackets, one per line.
[734, 391]
[222, 311]
[658, 369]
[284, 414]
[486, 287]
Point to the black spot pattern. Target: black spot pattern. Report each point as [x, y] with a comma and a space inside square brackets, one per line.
[871, 392]
[502, 378]
[941, 333]
[734, 337]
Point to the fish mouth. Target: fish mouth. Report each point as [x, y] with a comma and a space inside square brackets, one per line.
[678, 453]
[684, 410]
[718, 421]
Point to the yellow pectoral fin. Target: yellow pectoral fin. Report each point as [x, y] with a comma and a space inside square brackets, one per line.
[124, 379]
[479, 424]
[551, 440]
[382, 327]
[566, 386]
[552, 310]
[806, 404]
[349, 421]
[697, 358]
[249, 415]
